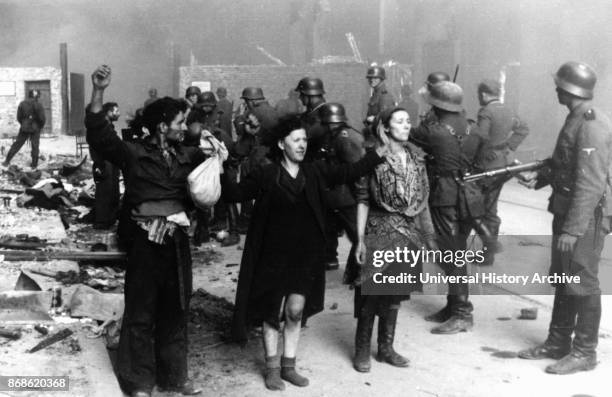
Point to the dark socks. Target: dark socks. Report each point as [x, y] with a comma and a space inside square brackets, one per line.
[273, 374]
[289, 374]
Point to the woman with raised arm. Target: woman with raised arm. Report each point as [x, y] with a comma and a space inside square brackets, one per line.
[282, 274]
[392, 212]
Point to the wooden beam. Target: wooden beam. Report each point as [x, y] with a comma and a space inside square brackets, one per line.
[30, 255]
[64, 88]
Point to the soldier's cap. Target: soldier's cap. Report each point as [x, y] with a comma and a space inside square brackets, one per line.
[490, 86]
[446, 96]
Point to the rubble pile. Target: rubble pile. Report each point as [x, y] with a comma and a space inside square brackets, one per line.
[210, 310]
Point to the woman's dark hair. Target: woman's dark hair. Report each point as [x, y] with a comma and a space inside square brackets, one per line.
[163, 110]
[385, 115]
[286, 125]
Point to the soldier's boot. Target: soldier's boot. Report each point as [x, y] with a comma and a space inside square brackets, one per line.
[363, 337]
[583, 356]
[490, 246]
[386, 335]
[234, 237]
[461, 319]
[562, 324]
[442, 315]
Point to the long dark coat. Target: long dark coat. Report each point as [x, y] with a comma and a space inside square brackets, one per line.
[258, 185]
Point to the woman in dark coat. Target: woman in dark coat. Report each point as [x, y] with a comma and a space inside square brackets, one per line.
[283, 254]
[392, 212]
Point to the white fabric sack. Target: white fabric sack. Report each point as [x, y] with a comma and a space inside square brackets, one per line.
[204, 181]
[205, 184]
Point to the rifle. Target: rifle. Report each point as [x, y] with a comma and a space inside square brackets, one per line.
[456, 73]
[508, 170]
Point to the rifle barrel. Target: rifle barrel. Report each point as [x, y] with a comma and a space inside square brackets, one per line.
[511, 169]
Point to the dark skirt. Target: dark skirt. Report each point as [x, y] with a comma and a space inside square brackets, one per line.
[386, 231]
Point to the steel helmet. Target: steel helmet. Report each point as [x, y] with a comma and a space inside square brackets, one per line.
[193, 90]
[207, 98]
[310, 86]
[576, 78]
[445, 95]
[332, 113]
[376, 72]
[436, 77]
[252, 93]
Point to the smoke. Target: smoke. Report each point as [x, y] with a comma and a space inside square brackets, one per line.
[135, 37]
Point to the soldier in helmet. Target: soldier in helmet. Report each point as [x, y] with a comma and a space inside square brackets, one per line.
[192, 94]
[453, 145]
[342, 145]
[253, 126]
[311, 95]
[381, 99]
[206, 113]
[432, 79]
[581, 205]
[503, 132]
[227, 108]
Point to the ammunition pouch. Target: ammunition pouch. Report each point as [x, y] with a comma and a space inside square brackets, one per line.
[471, 201]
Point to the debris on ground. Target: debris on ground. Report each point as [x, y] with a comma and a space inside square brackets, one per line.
[25, 305]
[529, 313]
[104, 278]
[87, 302]
[26, 283]
[63, 334]
[41, 329]
[211, 310]
[73, 344]
[22, 241]
[10, 334]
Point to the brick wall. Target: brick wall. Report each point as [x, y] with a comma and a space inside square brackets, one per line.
[344, 83]
[9, 104]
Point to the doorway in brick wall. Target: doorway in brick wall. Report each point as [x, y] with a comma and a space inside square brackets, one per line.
[44, 87]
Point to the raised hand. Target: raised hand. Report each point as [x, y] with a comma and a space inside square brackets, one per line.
[383, 139]
[101, 77]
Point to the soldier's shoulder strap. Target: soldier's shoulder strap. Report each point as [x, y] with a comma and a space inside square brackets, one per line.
[589, 114]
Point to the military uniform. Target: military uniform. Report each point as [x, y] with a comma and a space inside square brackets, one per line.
[580, 202]
[380, 100]
[503, 132]
[345, 147]
[252, 150]
[315, 132]
[579, 173]
[579, 176]
[226, 107]
[452, 145]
